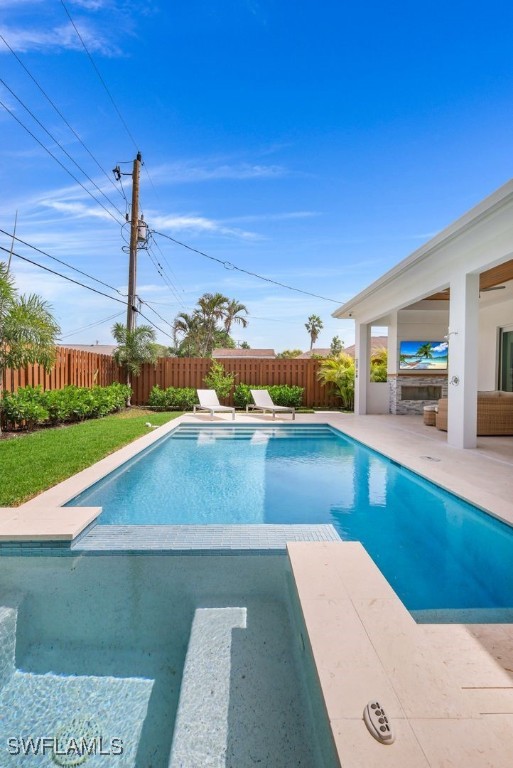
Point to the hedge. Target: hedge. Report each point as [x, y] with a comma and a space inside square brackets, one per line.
[173, 398]
[281, 394]
[31, 406]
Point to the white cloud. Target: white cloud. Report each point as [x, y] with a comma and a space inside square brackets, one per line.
[192, 223]
[24, 38]
[77, 210]
[191, 171]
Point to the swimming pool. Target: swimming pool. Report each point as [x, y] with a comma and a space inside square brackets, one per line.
[437, 551]
[170, 660]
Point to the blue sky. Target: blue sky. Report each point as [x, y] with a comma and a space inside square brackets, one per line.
[314, 144]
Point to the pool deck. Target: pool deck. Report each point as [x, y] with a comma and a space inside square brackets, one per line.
[448, 688]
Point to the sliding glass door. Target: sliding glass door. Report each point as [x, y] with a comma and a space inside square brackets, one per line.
[506, 372]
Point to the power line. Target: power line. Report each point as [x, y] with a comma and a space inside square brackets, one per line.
[92, 325]
[52, 103]
[60, 261]
[58, 161]
[157, 245]
[229, 265]
[148, 304]
[166, 280]
[59, 274]
[99, 75]
[153, 324]
[89, 288]
[60, 146]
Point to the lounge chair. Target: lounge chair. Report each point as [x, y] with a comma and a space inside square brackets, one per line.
[263, 402]
[208, 401]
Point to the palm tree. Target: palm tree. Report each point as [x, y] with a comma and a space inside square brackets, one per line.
[379, 364]
[211, 309]
[339, 371]
[314, 326]
[232, 315]
[191, 329]
[425, 351]
[134, 348]
[28, 330]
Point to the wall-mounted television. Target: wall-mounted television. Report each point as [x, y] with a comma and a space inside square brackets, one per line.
[423, 355]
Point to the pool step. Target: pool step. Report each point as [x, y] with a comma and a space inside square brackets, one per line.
[201, 729]
[8, 620]
[246, 432]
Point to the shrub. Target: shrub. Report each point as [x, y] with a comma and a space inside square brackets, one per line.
[281, 394]
[173, 398]
[218, 379]
[338, 372]
[24, 407]
[31, 406]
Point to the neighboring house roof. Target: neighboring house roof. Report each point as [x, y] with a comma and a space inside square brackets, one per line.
[376, 342]
[100, 349]
[318, 351]
[237, 353]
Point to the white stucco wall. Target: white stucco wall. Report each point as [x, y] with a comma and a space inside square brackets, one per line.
[378, 397]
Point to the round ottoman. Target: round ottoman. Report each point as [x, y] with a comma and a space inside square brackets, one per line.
[430, 412]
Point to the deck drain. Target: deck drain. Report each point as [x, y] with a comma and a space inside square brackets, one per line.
[430, 458]
[76, 741]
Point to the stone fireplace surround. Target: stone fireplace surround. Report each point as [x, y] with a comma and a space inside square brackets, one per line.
[396, 382]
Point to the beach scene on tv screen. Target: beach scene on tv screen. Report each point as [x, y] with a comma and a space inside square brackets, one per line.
[423, 355]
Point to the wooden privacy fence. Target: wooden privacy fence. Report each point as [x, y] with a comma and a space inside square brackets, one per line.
[87, 369]
[191, 372]
[72, 366]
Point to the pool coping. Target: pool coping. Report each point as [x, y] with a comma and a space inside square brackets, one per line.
[447, 700]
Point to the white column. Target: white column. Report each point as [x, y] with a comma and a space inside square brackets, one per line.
[463, 359]
[362, 367]
[393, 345]
[393, 361]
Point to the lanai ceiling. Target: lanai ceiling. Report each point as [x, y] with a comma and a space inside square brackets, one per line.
[489, 279]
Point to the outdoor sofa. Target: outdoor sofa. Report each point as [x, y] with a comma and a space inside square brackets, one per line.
[494, 413]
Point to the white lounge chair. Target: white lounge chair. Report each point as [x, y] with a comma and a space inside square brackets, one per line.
[210, 402]
[263, 402]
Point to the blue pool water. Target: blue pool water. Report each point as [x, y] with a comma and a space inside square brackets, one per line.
[437, 551]
[185, 660]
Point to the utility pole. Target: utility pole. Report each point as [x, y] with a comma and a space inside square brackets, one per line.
[132, 264]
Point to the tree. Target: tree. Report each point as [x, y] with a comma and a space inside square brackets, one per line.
[232, 314]
[245, 345]
[190, 327]
[28, 330]
[339, 373]
[314, 326]
[379, 365]
[134, 348]
[336, 346]
[289, 354]
[208, 327]
[211, 309]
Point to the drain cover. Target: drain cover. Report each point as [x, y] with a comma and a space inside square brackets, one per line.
[430, 458]
[75, 741]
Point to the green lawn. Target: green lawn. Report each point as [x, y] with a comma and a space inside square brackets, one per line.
[34, 462]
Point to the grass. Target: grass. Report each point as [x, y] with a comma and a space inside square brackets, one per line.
[34, 462]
